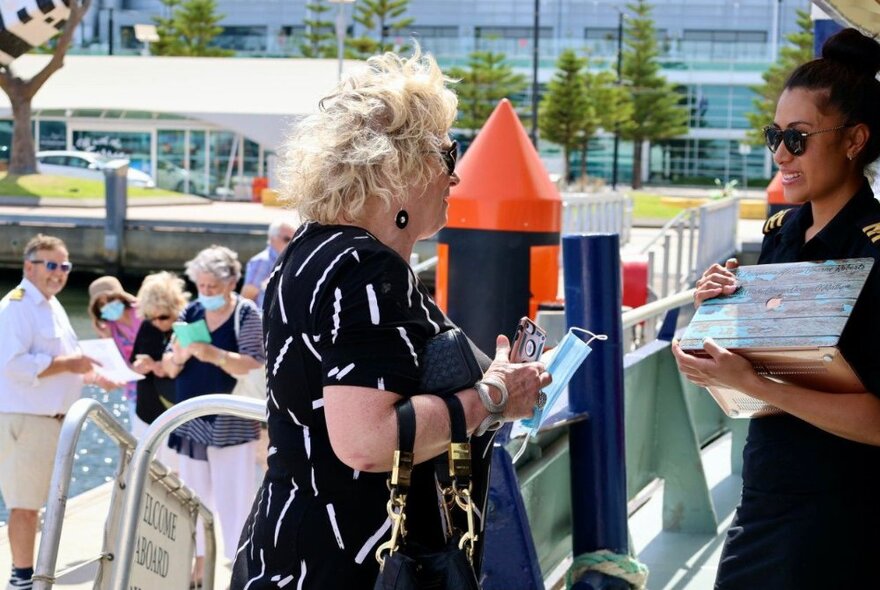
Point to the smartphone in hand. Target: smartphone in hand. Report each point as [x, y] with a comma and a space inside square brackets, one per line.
[528, 342]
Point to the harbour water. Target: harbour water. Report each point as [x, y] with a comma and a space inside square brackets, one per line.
[96, 455]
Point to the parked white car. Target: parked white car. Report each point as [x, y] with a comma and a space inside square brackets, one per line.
[173, 177]
[86, 165]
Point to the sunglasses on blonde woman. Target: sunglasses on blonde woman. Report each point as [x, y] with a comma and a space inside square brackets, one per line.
[450, 157]
[158, 318]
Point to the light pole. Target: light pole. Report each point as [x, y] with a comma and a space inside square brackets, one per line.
[535, 57]
[619, 81]
[341, 26]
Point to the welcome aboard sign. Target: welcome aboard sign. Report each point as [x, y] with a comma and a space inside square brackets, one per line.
[165, 539]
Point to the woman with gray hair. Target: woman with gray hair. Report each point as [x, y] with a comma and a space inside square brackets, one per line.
[347, 323]
[217, 454]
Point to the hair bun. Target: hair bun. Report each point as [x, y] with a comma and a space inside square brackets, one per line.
[852, 49]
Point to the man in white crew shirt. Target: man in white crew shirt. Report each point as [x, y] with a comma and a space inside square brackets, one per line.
[42, 372]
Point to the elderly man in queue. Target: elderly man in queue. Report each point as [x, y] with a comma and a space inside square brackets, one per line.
[42, 373]
[260, 266]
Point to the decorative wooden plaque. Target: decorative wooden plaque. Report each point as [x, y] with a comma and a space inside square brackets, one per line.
[787, 320]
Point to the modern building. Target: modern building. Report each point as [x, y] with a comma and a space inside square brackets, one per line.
[200, 125]
[712, 50]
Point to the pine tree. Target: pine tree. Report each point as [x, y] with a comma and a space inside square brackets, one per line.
[791, 56]
[379, 15]
[190, 29]
[610, 105]
[485, 81]
[564, 107]
[656, 110]
[320, 37]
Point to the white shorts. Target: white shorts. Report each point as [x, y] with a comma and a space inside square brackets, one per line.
[27, 455]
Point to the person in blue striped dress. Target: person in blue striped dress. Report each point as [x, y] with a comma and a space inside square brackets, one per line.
[217, 454]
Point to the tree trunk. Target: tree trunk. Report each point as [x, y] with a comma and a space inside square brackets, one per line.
[566, 179]
[24, 157]
[583, 153]
[637, 164]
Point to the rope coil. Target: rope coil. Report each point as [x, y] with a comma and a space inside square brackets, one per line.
[625, 567]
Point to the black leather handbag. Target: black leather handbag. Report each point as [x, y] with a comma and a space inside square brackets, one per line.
[451, 363]
[409, 566]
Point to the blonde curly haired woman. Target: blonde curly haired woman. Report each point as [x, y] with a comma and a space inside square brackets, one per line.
[161, 299]
[346, 319]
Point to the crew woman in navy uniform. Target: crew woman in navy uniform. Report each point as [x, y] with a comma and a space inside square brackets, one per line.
[810, 512]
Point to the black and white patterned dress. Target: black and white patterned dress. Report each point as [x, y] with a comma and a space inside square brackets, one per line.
[341, 308]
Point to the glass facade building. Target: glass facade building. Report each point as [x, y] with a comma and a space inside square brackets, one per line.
[181, 154]
[713, 51]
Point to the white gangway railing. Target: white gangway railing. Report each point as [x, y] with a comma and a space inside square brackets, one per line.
[204, 405]
[45, 576]
[138, 470]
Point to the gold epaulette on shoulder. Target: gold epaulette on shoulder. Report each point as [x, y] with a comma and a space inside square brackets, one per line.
[776, 220]
[16, 294]
[872, 230]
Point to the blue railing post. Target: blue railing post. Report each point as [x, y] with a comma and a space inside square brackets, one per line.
[598, 470]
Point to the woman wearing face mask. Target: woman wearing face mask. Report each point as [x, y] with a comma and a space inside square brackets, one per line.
[810, 474]
[113, 315]
[217, 454]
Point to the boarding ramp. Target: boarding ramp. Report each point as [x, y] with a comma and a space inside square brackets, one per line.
[166, 525]
[127, 551]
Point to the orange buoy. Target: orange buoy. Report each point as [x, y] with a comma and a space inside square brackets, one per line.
[499, 252]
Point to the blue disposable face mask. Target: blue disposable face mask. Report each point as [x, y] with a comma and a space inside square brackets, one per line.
[112, 311]
[568, 356]
[212, 302]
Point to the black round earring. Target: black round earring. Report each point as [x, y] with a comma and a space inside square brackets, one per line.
[402, 219]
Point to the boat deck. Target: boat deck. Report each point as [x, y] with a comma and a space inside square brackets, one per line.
[677, 561]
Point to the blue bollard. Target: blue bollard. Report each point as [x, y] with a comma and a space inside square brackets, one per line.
[591, 266]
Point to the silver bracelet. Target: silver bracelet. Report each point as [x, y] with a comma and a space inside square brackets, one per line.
[490, 422]
[482, 388]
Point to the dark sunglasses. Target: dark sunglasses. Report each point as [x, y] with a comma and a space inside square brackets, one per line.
[286, 239]
[52, 266]
[158, 318]
[450, 157]
[795, 141]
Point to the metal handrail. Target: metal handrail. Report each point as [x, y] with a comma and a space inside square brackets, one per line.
[638, 315]
[675, 221]
[426, 265]
[82, 410]
[204, 405]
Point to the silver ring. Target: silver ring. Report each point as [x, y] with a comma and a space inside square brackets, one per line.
[542, 400]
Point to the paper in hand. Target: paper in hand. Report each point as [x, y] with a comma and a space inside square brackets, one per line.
[113, 367]
[193, 332]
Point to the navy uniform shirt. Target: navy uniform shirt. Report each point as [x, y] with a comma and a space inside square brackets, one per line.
[787, 454]
[808, 494]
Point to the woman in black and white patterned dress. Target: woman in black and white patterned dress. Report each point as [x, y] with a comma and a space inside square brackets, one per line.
[345, 320]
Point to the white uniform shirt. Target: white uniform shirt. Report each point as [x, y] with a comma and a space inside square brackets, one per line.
[34, 330]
